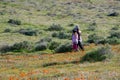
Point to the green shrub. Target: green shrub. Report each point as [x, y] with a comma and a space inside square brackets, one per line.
[94, 24]
[94, 38]
[45, 39]
[2, 13]
[16, 22]
[113, 14]
[54, 34]
[4, 48]
[67, 47]
[100, 40]
[115, 34]
[115, 28]
[53, 45]
[55, 27]
[71, 24]
[28, 32]
[91, 28]
[103, 41]
[21, 46]
[7, 30]
[17, 47]
[100, 54]
[113, 40]
[64, 35]
[61, 35]
[41, 46]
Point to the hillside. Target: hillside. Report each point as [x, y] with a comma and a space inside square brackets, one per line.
[39, 15]
[35, 39]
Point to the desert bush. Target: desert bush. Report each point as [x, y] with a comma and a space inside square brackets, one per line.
[2, 13]
[17, 47]
[115, 34]
[53, 45]
[21, 46]
[54, 34]
[113, 40]
[41, 46]
[7, 30]
[61, 35]
[55, 27]
[113, 14]
[5, 48]
[102, 41]
[91, 28]
[28, 32]
[93, 23]
[64, 35]
[115, 28]
[71, 24]
[16, 22]
[67, 47]
[94, 38]
[45, 39]
[99, 54]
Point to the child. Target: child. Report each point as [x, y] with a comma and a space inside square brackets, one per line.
[75, 41]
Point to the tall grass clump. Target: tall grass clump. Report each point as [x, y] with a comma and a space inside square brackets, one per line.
[94, 38]
[22, 46]
[61, 35]
[67, 47]
[43, 44]
[100, 54]
[15, 22]
[54, 45]
[17, 47]
[55, 27]
[28, 32]
[4, 48]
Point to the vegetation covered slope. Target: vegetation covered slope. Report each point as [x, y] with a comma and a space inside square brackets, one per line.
[33, 20]
[29, 28]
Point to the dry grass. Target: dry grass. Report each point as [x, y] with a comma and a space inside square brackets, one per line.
[64, 66]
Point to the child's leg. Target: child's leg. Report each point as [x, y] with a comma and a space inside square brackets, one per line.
[72, 47]
[76, 47]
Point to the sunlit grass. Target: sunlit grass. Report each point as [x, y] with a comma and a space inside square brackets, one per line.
[31, 66]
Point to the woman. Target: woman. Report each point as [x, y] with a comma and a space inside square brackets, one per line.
[79, 37]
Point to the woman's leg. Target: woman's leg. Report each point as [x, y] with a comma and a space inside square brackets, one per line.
[80, 45]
